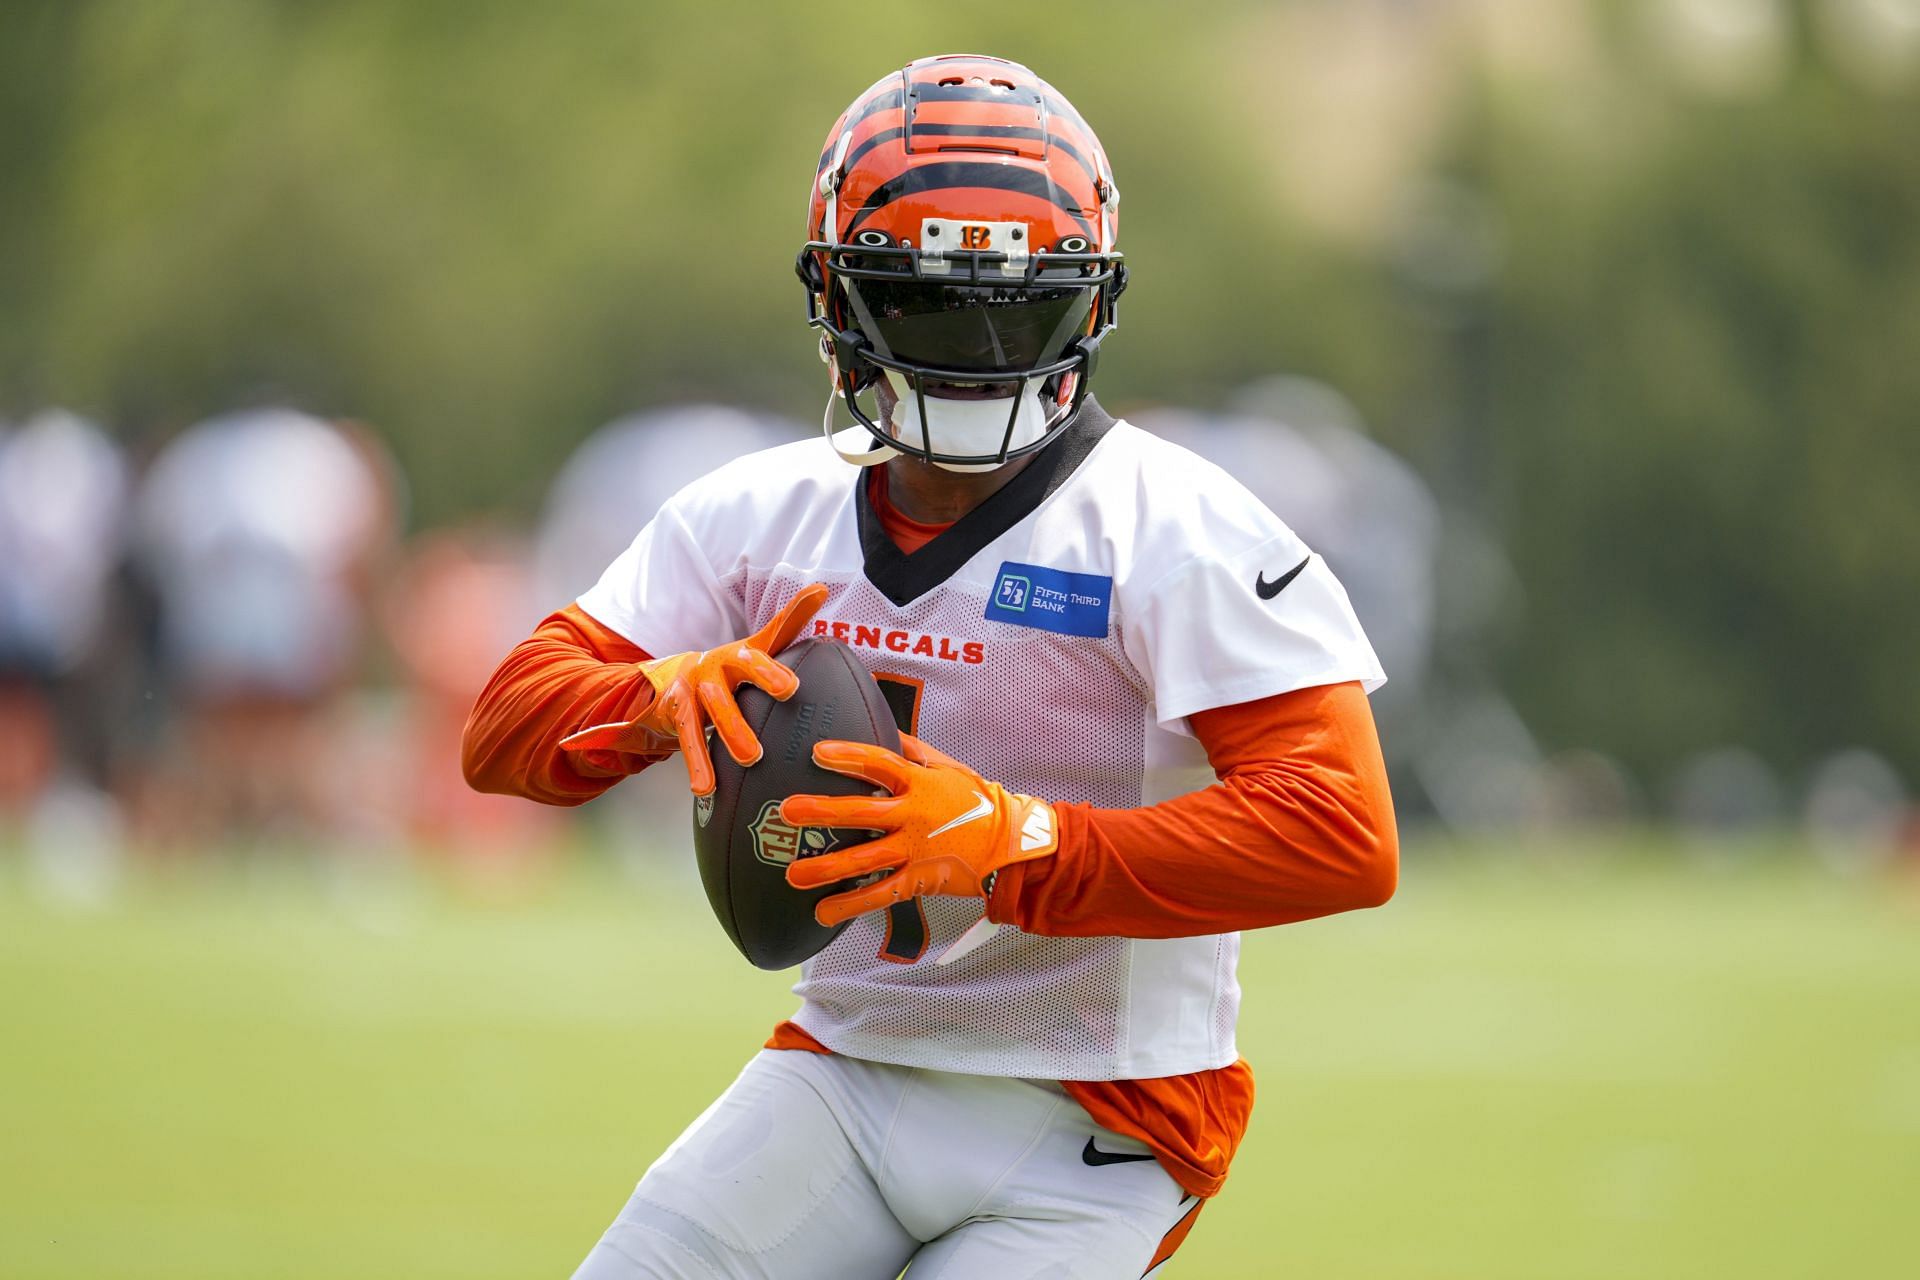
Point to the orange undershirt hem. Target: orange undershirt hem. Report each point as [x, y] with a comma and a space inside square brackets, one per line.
[1193, 1123]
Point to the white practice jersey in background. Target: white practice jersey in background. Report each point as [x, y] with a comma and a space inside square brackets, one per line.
[1055, 640]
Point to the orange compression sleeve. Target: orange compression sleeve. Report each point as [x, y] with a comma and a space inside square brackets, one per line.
[572, 672]
[1299, 825]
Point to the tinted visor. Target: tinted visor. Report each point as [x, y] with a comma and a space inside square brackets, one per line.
[1009, 328]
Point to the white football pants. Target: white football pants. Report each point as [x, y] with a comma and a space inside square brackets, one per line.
[816, 1166]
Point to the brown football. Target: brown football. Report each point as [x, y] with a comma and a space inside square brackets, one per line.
[742, 845]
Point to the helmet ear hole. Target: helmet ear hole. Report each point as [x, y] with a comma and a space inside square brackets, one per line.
[807, 266]
[847, 348]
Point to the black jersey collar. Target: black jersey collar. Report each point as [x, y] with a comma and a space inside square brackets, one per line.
[904, 578]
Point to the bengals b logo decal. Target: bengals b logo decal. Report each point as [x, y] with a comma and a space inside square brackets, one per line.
[975, 237]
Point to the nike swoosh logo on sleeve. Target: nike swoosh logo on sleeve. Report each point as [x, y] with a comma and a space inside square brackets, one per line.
[1268, 590]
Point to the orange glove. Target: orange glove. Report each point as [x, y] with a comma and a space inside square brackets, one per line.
[945, 829]
[689, 691]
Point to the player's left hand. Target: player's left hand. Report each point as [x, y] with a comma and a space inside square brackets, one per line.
[945, 828]
[687, 692]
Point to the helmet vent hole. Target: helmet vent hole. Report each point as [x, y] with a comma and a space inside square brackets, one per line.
[948, 82]
[1006, 86]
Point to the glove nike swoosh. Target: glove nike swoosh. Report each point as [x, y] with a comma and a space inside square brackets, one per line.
[980, 810]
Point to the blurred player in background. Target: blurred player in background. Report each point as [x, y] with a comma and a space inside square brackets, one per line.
[1019, 1058]
[62, 485]
[260, 532]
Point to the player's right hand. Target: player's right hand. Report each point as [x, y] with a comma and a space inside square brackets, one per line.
[693, 690]
[943, 828]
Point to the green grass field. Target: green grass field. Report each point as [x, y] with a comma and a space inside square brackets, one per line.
[1601, 1065]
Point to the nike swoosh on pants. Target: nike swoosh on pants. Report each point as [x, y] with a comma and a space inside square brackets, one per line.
[1095, 1156]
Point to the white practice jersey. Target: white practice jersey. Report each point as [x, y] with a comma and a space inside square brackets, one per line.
[1055, 639]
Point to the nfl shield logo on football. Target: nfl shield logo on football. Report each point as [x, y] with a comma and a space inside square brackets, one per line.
[777, 842]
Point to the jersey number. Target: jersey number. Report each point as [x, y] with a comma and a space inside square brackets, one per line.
[906, 939]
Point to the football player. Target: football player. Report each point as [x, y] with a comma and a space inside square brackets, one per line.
[63, 484]
[1019, 1058]
[261, 532]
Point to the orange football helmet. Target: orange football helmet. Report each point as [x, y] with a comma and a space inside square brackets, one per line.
[960, 262]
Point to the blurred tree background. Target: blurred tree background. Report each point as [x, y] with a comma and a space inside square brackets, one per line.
[1636, 285]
